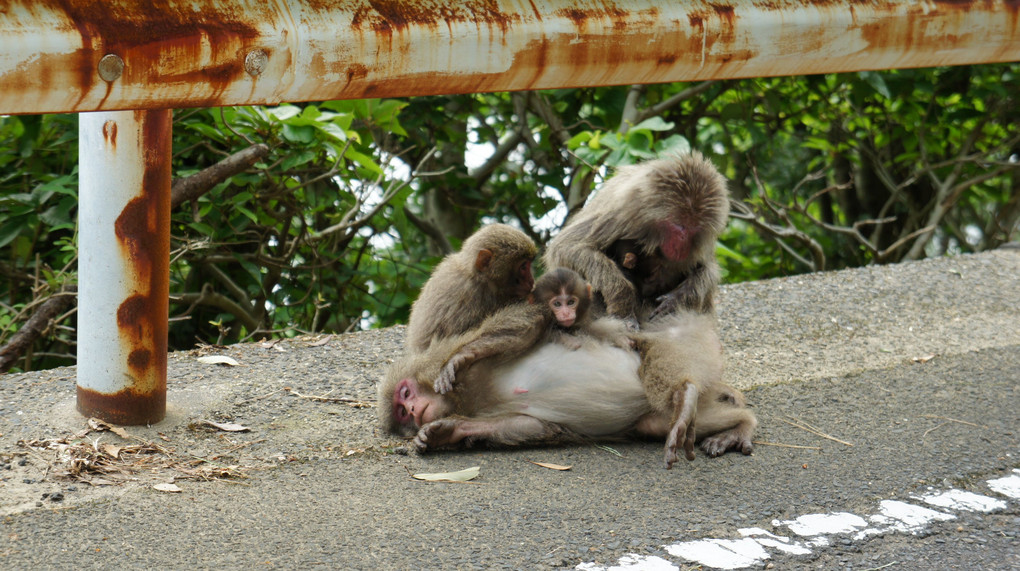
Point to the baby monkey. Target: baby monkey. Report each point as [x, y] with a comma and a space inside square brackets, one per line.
[557, 311]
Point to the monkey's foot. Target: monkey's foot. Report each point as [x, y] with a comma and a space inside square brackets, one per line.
[732, 439]
[682, 433]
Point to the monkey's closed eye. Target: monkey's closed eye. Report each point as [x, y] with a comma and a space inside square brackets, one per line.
[401, 414]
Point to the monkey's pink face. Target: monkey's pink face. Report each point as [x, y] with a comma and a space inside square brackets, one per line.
[676, 240]
[564, 307]
[524, 280]
[412, 407]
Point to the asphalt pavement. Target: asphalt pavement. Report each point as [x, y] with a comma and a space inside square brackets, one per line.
[889, 407]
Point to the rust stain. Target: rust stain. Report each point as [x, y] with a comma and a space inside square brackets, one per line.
[158, 43]
[389, 17]
[139, 359]
[125, 407]
[356, 71]
[110, 133]
[143, 232]
[195, 51]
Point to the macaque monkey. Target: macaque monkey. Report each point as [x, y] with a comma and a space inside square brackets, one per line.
[556, 311]
[684, 386]
[555, 394]
[641, 270]
[491, 271]
[673, 209]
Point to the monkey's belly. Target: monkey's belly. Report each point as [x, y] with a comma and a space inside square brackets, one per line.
[594, 390]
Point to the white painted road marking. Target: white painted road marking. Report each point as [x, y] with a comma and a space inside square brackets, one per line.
[894, 516]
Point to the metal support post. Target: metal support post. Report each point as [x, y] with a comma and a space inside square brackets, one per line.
[123, 267]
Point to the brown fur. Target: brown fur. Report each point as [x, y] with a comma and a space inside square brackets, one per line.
[516, 329]
[491, 271]
[554, 394]
[683, 382]
[638, 204]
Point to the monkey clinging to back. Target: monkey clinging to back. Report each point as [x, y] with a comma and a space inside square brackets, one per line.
[557, 311]
[669, 213]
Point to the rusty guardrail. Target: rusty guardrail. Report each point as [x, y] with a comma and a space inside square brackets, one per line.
[122, 54]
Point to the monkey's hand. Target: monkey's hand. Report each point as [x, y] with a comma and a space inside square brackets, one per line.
[681, 297]
[625, 342]
[569, 341]
[437, 434]
[444, 382]
[631, 321]
[682, 434]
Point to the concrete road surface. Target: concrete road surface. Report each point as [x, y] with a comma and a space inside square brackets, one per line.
[889, 408]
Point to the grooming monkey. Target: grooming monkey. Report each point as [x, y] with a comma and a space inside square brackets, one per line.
[681, 371]
[491, 271]
[673, 210]
[555, 394]
[557, 311]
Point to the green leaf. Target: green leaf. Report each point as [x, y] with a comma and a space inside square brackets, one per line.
[673, 144]
[10, 231]
[284, 112]
[653, 124]
[876, 81]
[298, 134]
[248, 213]
[297, 159]
[579, 139]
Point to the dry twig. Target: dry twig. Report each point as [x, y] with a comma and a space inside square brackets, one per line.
[808, 428]
[344, 400]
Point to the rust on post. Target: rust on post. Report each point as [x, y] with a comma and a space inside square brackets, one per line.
[110, 133]
[204, 53]
[142, 231]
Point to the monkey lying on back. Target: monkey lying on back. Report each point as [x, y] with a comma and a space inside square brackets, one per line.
[557, 311]
[673, 210]
[492, 270]
[553, 394]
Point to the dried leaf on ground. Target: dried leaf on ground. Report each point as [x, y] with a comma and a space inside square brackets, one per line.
[169, 488]
[458, 476]
[552, 466]
[224, 426]
[96, 424]
[219, 360]
[322, 341]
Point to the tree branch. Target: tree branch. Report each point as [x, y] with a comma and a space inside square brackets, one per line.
[36, 326]
[194, 186]
[210, 298]
[430, 230]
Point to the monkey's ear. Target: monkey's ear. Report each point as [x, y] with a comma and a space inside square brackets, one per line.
[588, 287]
[483, 259]
[531, 298]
